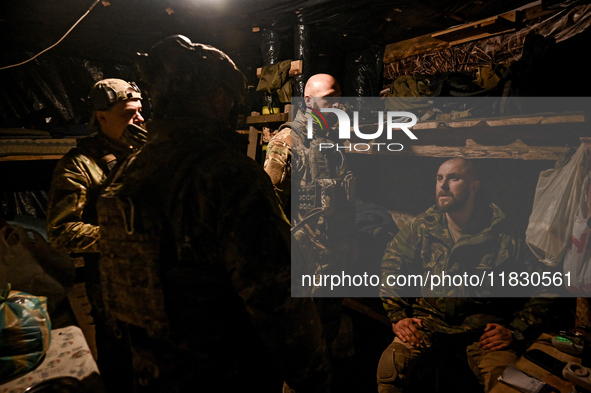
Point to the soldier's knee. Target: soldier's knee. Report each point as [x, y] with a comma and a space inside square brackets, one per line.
[393, 366]
[387, 372]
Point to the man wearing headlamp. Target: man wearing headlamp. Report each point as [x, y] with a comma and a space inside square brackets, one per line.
[72, 222]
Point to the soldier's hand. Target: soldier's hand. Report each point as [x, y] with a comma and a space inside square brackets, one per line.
[406, 330]
[495, 337]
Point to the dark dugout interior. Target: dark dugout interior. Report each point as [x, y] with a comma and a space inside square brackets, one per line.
[344, 38]
[49, 94]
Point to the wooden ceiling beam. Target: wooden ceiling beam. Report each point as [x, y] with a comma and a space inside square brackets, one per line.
[460, 34]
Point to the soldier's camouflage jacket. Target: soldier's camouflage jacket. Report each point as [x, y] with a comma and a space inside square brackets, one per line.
[75, 187]
[278, 167]
[425, 246]
[195, 255]
[310, 163]
[324, 240]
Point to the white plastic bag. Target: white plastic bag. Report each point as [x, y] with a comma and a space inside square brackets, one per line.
[557, 198]
[577, 269]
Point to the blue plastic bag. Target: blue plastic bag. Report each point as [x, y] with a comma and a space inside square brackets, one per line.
[25, 330]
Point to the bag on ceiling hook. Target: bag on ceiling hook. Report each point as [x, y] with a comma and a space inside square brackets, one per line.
[557, 198]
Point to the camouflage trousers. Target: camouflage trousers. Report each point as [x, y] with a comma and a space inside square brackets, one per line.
[395, 369]
[113, 353]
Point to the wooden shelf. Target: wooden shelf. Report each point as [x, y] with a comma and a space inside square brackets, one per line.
[21, 149]
[31, 158]
[477, 30]
[503, 121]
[515, 150]
[274, 118]
[542, 137]
[472, 31]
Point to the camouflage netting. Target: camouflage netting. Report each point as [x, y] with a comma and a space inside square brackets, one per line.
[500, 49]
[460, 58]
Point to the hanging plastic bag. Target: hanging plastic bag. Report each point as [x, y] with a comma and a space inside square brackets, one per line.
[24, 333]
[557, 198]
[577, 269]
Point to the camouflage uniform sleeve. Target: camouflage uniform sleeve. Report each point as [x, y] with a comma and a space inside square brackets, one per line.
[401, 255]
[68, 198]
[254, 243]
[278, 164]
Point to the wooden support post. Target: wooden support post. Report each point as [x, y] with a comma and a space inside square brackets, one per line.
[289, 109]
[253, 135]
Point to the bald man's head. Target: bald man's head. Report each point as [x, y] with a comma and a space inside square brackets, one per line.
[320, 86]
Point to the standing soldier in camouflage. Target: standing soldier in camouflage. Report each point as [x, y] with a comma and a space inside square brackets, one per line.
[293, 159]
[323, 233]
[278, 160]
[195, 249]
[460, 233]
[71, 217]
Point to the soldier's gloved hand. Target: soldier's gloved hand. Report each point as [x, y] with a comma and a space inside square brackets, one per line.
[406, 330]
[495, 337]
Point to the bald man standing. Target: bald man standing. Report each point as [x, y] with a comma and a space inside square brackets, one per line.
[323, 231]
[278, 162]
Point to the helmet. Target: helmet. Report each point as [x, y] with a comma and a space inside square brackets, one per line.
[107, 92]
[181, 73]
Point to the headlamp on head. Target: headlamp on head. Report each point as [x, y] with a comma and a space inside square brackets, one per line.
[106, 93]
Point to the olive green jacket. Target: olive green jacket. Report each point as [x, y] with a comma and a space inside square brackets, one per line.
[77, 180]
[424, 247]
